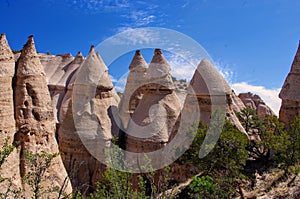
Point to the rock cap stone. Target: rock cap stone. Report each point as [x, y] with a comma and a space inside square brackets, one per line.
[159, 72]
[138, 62]
[7, 61]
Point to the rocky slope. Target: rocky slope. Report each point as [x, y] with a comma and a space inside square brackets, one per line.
[256, 103]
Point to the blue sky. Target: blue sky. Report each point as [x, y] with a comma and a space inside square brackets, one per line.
[252, 42]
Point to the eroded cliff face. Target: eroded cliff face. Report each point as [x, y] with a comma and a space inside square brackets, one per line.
[290, 93]
[35, 124]
[10, 168]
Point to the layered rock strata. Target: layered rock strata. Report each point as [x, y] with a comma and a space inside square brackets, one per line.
[10, 168]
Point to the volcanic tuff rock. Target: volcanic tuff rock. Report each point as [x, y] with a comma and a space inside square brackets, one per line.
[204, 93]
[157, 112]
[82, 167]
[290, 92]
[256, 103]
[34, 118]
[66, 82]
[7, 124]
[134, 89]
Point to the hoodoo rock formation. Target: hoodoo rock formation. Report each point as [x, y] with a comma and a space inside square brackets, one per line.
[35, 119]
[62, 98]
[83, 168]
[55, 68]
[290, 92]
[7, 125]
[134, 89]
[203, 94]
[156, 114]
[256, 103]
[46, 97]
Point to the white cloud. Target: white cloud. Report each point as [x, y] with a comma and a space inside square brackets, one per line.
[113, 79]
[96, 6]
[180, 68]
[139, 18]
[131, 36]
[121, 83]
[270, 96]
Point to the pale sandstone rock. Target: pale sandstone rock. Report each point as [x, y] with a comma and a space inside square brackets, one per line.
[82, 167]
[203, 93]
[10, 168]
[237, 103]
[35, 120]
[59, 90]
[290, 92]
[157, 112]
[134, 90]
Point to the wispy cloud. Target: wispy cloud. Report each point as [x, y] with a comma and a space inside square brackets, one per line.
[180, 68]
[134, 37]
[138, 18]
[120, 83]
[113, 79]
[96, 6]
[270, 96]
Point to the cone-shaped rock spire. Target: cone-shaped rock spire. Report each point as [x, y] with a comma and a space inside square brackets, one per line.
[290, 92]
[138, 62]
[159, 76]
[93, 98]
[199, 83]
[207, 82]
[6, 58]
[134, 88]
[34, 117]
[10, 168]
[157, 112]
[58, 91]
[29, 62]
[290, 89]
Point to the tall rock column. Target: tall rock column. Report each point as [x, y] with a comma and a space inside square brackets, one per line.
[84, 169]
[7, 124]
[35, 119]
[134, 89]
[290, 92]
[158, 110]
